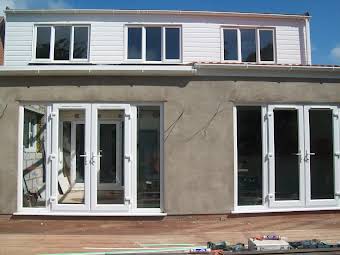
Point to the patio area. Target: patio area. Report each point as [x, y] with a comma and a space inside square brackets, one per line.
[37, 235]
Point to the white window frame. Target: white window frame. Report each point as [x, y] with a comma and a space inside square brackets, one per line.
[163, 44]
[265, 184]
[258, 45]
[52, 43]
[239, 44]
[50, 161]
[267, 168]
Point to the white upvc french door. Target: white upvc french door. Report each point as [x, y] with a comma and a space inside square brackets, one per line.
[115, 195]
[285, 156]
[64, 195]
[92, 155]
[321, 155]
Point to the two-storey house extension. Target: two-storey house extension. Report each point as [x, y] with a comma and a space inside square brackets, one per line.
[154, 113]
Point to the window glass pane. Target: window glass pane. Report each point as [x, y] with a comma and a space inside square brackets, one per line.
[172, 43]
[34, 156]
[71, 146]
[230, 44]
[43, 42]
[62, 43]
[148, 153]
[321, 147]
[80, 42]
[286, 146]
[134, 43]
[110, 161]
[153, 44]
[249, 153]
[266, 45]
[248, 45]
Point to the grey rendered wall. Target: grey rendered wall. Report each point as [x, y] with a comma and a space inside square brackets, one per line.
[199, 146]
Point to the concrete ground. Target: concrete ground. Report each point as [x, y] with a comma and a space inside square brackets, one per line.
[20, 235]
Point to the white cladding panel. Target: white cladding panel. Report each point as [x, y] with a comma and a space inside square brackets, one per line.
[201, 35]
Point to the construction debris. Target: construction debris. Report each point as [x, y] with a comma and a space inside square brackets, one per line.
[267, 245]
[271, 243]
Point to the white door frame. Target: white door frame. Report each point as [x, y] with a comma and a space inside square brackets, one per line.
[321, 202]
[127, 154]
[118, 184]
[271, 156]
[56, 154]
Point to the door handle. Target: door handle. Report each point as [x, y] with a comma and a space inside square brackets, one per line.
[85, 157]
[297, 153]
[95, 156]
[308, 154]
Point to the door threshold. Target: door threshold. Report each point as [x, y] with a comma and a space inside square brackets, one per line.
[41, 213]
[240, 210]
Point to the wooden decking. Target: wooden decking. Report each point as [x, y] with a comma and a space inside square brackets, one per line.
[57, 235]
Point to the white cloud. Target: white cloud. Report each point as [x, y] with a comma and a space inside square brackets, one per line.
[58, 4]
[335, 52]
[4, 4]
[34, 4]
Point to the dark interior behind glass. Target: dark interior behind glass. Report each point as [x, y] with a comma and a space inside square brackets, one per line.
[148, 153]
[43, 43]
[172, 43]
[266, 45]
[80, 44]
[321, 147]
[248, 45]
[230, 44]
[286, 140]
[249, 153]
[62, 43]
[153, 44]
[134, 43]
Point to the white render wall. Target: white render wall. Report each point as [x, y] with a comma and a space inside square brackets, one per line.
[201, 35]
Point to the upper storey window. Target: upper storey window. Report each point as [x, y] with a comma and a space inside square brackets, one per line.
[248, 45]
[153, 44]
[62, 43]
[43, 43]
[266, 45]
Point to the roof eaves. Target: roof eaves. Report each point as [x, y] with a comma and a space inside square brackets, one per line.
[155, 12]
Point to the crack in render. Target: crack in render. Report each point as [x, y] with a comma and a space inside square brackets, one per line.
[206, 126]
[172, 126]
[3, 111]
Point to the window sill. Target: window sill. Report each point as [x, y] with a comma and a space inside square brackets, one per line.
[87, 214]
[250, 210]
[84, 62]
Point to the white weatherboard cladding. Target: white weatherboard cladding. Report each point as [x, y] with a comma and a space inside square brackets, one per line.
[201, 35]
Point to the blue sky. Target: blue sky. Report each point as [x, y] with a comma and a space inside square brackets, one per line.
[325, 23]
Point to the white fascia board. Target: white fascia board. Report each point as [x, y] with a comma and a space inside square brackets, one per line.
[278, 71]
[156, 12]
[98, 70]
